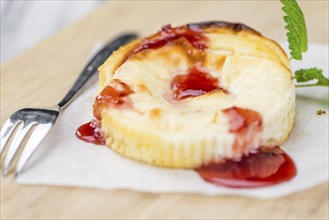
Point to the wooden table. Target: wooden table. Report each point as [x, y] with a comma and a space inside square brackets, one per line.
[42, 75]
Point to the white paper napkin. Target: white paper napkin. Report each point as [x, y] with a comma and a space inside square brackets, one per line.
[62, 159]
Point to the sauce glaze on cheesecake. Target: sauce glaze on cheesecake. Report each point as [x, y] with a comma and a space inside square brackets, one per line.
[197, 94]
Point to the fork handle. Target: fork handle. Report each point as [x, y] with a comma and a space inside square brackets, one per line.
[93, 65]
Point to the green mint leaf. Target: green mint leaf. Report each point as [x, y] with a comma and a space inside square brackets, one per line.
[295, 24]
[306, 75]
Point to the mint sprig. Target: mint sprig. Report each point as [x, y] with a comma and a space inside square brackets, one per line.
[297, 34]
[306, 75]
[298, 43]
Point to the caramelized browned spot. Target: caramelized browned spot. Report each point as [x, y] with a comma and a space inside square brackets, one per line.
[214, 62]
[191, 33]
[144, 89]
[222, 24]
[215, 117]
[167, 35]
[220, 62]
[155, 113]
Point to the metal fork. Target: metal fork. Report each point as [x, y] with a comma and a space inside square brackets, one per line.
[43, 119]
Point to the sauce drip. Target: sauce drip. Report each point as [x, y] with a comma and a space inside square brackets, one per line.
[112, 97]
[195, 82]
[262, 168]
[167, 35]
[91, 133]
[246, 124]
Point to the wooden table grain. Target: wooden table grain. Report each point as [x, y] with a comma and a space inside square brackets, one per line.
[42, 75]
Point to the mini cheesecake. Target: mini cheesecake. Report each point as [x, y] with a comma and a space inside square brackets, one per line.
[195, 94]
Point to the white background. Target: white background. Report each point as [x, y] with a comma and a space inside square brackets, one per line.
[26, 22]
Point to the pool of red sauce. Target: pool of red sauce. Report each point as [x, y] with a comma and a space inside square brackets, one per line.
[194, 82]
[91, 133]
[261, 168]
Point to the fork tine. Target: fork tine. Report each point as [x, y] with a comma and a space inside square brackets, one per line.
[37, 136]
[6, 132]
[22, 131]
